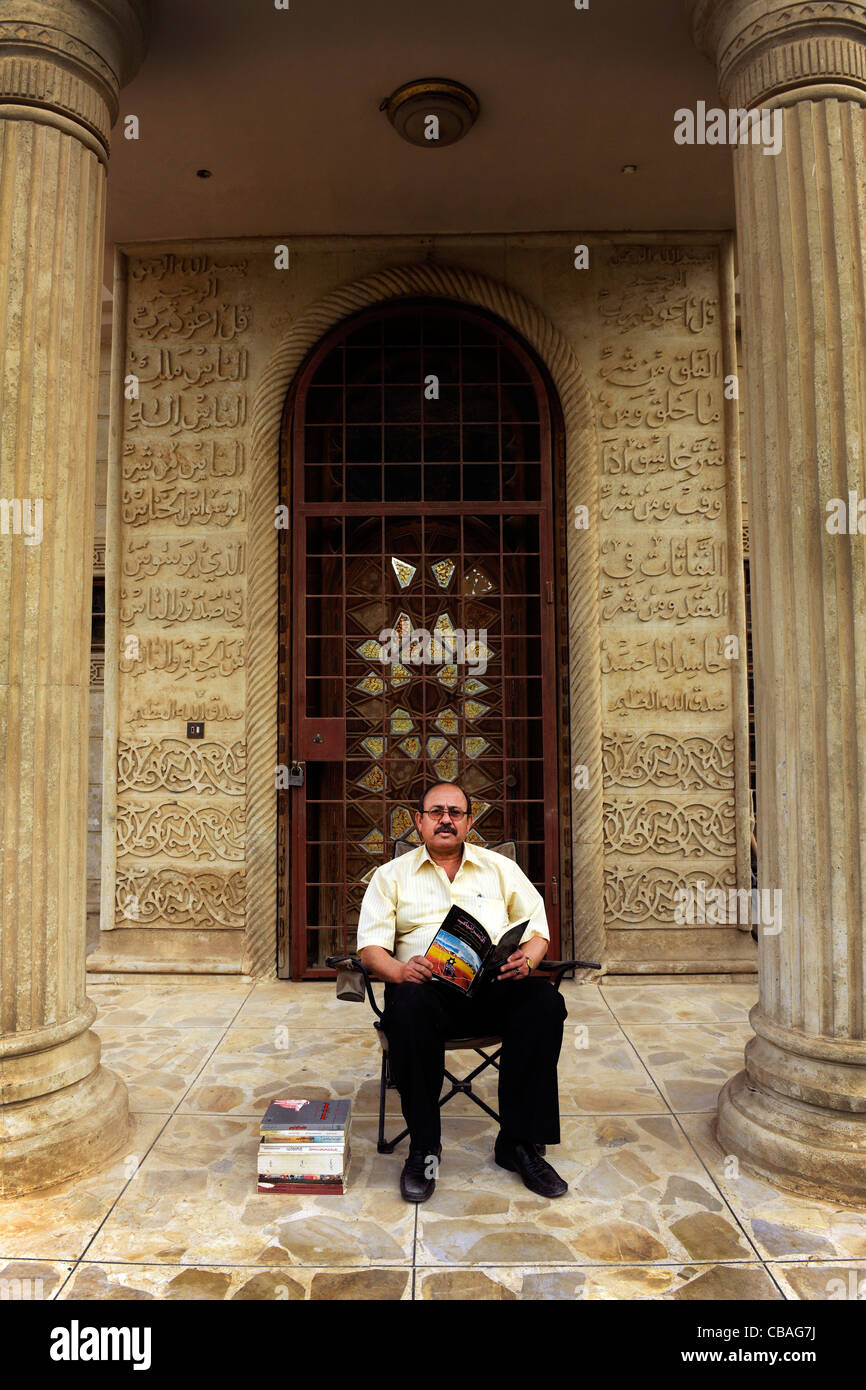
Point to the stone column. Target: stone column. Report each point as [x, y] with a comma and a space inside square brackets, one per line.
[797, 1113]
[61, 67]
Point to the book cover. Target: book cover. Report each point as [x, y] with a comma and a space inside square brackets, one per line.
[463, 955]
[312, 1116]
[305, 1138]
[295, 1165]
[323, 1188]
[278, 1143]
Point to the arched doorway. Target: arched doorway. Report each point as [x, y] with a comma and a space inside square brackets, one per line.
[422, 612]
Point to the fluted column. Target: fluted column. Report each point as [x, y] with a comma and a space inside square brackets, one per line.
[798, 1110]
[61, 66]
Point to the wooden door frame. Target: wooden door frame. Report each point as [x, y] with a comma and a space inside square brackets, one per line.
[553, 584]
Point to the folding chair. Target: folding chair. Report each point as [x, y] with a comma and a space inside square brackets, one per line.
[354, 982]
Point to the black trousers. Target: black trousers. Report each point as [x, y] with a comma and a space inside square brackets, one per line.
[527, 1014]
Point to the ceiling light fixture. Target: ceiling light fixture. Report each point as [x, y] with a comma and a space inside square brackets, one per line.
[432, 111]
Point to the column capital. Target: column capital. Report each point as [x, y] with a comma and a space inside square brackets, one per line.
[777, 52]
[68, 59]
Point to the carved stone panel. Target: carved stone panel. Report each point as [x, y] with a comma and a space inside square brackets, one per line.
[665, 563]
[182, 601]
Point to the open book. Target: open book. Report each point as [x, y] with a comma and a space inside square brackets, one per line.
[462, 953]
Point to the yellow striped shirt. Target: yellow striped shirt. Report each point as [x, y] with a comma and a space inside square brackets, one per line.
[408, 897]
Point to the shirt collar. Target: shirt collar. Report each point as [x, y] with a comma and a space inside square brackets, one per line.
[470, 855]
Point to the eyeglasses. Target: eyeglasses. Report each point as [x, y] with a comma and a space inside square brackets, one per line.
[437, 812]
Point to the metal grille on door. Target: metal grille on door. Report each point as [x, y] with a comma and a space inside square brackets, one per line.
[422, 621]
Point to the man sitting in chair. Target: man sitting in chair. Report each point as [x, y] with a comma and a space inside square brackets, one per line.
[404, 905]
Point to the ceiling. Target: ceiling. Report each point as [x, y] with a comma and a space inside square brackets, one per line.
[282, 107]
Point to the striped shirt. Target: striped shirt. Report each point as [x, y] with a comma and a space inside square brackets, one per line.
[408, 897]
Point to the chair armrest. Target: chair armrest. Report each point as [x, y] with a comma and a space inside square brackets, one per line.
[558, 968]
[353, 965]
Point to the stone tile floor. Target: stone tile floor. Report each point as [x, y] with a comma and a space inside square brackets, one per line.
[655, 1210]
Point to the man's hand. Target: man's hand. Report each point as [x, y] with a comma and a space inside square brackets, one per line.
[416, 970]
[515, 968]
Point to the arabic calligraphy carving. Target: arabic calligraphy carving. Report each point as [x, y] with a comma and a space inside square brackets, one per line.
[143, 503]
[656, 300]
[184, 314]
[175, 460]
[176, 898]
[188, 412]
[166, 605]
[667, 760]
[188, 557]
[658, 826]
[664, 563]
[158, 267]
[654, 701]
[195, 655]
[663, 255]
[634, 896]
[211, 708]
[671, 657]
[210, 832]
[173, 764]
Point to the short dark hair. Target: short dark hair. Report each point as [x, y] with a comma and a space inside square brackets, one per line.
[432, 787]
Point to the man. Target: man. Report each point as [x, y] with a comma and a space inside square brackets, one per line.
[404, 905]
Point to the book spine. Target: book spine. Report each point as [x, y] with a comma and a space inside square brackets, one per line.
[291, 1165]
[301, 1187]
[289, 1153]
[304, 1136]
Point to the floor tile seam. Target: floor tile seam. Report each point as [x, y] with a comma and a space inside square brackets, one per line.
[653, 1083]
[601, 997]
[62, 1285]
[723, 1198]
[789, 1298]
[687, 1023]
[122, 1190]
[143, 1031]
[767, 1261]
[204, 1064]
[419, 1264]
[395, 1115]
[229, 1264]
[352, 1034]
[578, 1264]
[674, 1116]
[248, 996]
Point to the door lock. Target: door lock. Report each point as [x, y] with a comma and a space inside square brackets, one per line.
[295, 777]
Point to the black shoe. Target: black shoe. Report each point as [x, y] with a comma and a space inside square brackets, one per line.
[525, 1159]
[415, 1185]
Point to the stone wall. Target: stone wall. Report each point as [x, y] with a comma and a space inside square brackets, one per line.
[651, 323]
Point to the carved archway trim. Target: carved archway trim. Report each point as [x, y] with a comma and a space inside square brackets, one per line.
[554, 350]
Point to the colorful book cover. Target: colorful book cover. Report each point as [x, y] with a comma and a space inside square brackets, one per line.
[313, 1116]
[305, 1139]
[462, 954]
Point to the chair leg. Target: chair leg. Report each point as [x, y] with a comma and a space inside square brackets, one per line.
[382, 1145]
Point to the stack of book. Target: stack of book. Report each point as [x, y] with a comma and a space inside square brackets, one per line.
[304, 1146]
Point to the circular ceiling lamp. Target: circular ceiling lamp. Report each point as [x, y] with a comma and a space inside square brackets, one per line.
[432, 111]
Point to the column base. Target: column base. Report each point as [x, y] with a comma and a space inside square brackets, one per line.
[806, 1149]
[50, 1138]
